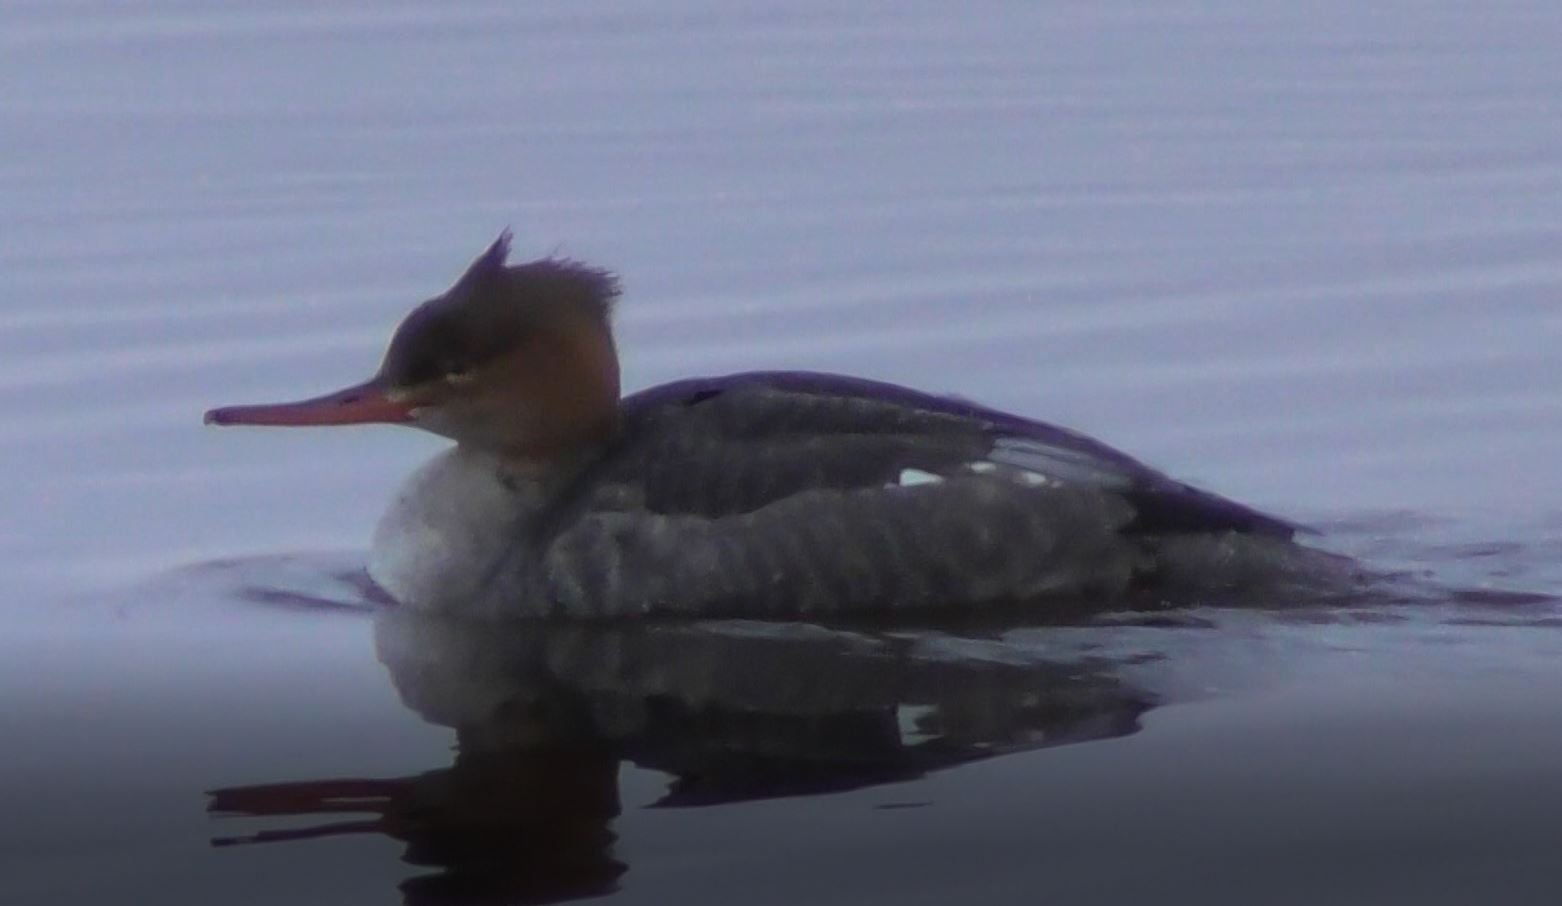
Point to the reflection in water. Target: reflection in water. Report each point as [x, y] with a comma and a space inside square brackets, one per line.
[732, 710]
[517, 825]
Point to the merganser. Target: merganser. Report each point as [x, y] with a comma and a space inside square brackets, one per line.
[771, 494]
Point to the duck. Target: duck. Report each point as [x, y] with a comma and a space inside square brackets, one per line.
[764, 494]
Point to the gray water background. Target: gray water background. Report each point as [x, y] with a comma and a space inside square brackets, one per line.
[1307, 255]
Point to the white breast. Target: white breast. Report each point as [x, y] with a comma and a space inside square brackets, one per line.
[449, 530]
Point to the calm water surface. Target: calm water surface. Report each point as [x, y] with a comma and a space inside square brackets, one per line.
[1308, 255]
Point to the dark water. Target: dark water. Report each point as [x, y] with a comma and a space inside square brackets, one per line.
[1307, 255]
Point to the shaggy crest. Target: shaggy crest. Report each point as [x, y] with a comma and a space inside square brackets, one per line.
[491, 308]
[573, 282]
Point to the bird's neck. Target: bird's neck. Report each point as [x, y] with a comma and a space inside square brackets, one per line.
[570, 396]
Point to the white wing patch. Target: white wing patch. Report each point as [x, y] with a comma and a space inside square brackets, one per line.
[912, 477]
[1028, 463]
[1055, 465]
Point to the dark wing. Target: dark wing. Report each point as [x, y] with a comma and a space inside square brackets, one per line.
[721, 446]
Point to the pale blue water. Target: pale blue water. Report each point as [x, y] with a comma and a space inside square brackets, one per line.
[1308, 255]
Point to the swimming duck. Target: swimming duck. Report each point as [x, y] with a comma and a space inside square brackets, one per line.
[765, 494]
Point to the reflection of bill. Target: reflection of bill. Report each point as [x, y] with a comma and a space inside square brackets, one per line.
[732, 710]
[532, 826]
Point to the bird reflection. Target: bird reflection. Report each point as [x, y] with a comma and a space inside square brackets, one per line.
[544, 715]
[503, 826]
